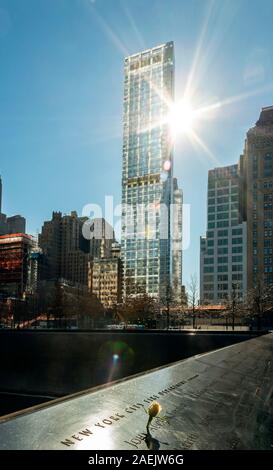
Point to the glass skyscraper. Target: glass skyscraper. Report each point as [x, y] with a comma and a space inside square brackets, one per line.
[147, 182]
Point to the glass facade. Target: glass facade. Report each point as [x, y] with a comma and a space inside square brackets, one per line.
[147, 184]
[223, 250]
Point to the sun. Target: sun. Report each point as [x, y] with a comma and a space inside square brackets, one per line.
[181, 117]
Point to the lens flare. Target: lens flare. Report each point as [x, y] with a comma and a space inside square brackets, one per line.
[167, 165]
[115, 357]
[181, 117]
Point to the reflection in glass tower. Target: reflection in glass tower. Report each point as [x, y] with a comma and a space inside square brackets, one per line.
[147, 187]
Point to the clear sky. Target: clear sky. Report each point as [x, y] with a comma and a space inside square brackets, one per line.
[61, 87]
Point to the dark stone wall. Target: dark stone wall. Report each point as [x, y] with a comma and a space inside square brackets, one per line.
[58, 363]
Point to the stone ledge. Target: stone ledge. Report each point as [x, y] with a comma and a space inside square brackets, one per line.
[218, 400]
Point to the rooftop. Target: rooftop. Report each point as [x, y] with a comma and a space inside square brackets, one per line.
[266, 117]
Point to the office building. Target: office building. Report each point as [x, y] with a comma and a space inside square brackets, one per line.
[177, 294]
[147, 175]
[223, 257]
[258, 181]
[13, 224]
[16, 224]
[101, 236]
[70, 244]
[64, 249]
[15, 250]
[105, 278]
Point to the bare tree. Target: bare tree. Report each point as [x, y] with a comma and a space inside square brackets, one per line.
[232, 309]
[88, 309]
[139, 308]
[66, 303]
[258, 300]
[192, 294]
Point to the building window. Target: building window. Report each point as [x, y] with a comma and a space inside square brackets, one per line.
[237, 231]
[222, 287]
[237, 259]
[267, 223]
[210, 234]
[222, 200]
[223, 241]
[208, 269]
[222, 233]
[223, 215]
[237, 267]
[223, 223]
[237, 249]
[208, 296]
[208, 261]
[208, 287]
[222, 251]
[222, 269]
[208, 278]
[222, 183]
[237, 241]
[223, 192]
[268, 165]
[222, 207]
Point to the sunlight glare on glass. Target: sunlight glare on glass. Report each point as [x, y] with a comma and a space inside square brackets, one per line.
[181, 117]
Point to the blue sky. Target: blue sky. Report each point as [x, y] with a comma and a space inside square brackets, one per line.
[61, 86]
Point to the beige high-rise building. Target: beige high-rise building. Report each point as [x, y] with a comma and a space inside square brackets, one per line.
[258, 183]
[83, 252]
[237, 251]
[65, 250]
[105, 278]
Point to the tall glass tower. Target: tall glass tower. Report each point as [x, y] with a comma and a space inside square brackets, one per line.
[147, 184]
